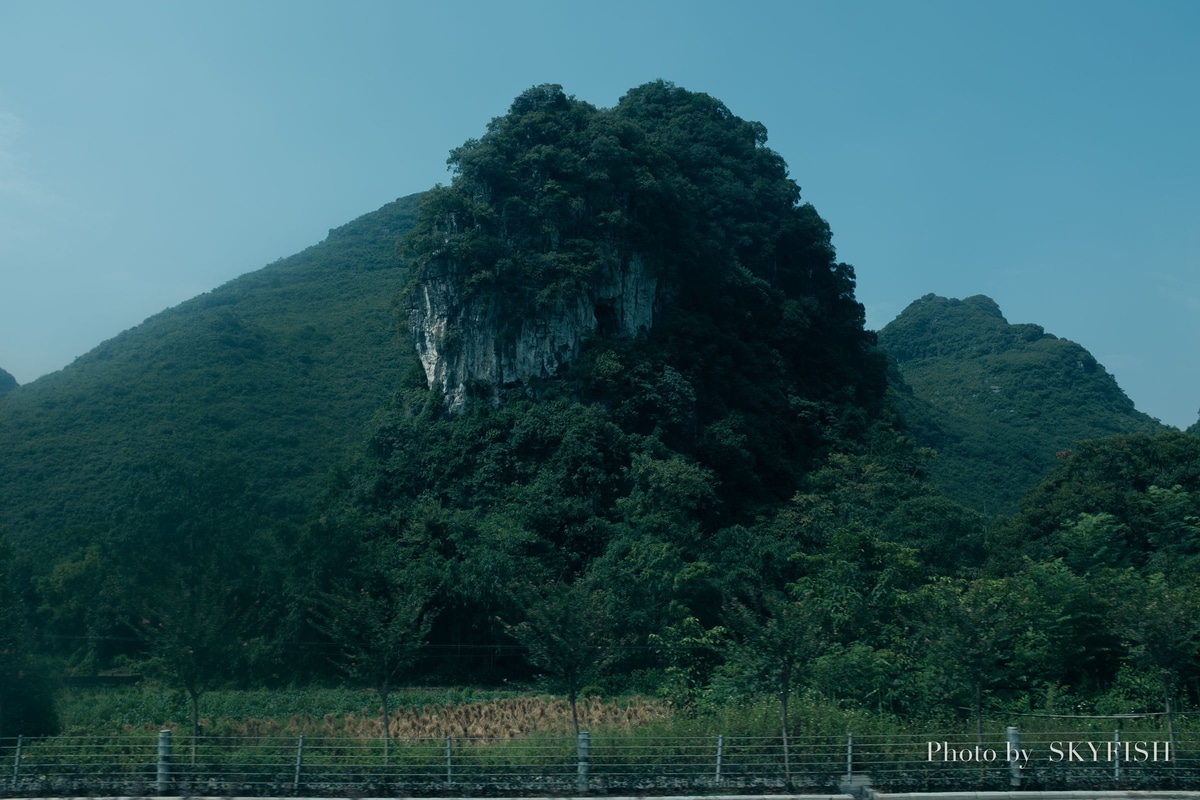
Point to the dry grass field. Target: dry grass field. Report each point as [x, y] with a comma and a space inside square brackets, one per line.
[500, 718]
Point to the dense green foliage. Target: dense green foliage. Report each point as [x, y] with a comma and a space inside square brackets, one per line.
[7, 382]
[758, 359]
[279, 370]
[26, 688]
[1119, 522]
[998, 401]
[722, 508]
[627, 470]
[557, 190]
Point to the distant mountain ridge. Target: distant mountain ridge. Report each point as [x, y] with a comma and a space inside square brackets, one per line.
[998, 401]
[278, 370]
[282, 369]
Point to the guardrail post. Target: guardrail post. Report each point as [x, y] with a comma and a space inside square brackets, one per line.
[17, 761]
[584, 755]
[164, 762]
[720, 752]
[299, 762]
[1014, 763]
[449, 761]
[858, 786]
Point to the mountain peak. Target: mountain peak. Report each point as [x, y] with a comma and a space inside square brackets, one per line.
[565, 222]
[998, 400]
[986, 304]
[940, 327]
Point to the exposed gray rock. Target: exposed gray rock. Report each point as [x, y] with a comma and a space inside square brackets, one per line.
[464, 342]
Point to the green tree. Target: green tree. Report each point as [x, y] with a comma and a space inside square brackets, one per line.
[1174, 532]
[379, 623]
[76, 607]
[1041, 628]
[569, 631]
[1111, 476]
[192, 634]
[971, 634]
[691, 653]
[773, 642]
[1161, 622]
[672, 499]
[188, 562]
[26, 699]
[1068, 639]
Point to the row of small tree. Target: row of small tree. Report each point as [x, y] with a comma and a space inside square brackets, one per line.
[817, 598]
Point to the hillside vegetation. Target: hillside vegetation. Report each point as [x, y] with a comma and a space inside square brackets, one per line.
[262, 487]
[998, 402]
[277, 372]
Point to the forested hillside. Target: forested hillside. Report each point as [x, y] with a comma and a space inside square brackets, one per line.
[276, 373]
[998, 402]
[266, 486]
[620, 488]
[7, 383]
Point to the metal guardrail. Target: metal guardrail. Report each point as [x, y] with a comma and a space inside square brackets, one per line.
[148, 764]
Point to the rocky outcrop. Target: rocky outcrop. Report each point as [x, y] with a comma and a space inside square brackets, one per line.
[468, 346]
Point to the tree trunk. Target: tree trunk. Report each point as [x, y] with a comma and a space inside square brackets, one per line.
[194, 694]
[784, 690]
[1166, 683]
[979, 712]
[571, 698]
[387, 725]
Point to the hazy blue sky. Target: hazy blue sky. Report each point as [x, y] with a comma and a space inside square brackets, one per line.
[1046, 154]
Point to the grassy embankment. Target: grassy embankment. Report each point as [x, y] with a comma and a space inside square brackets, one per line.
[256, 735]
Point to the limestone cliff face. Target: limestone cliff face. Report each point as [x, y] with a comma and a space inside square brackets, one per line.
[465, 342]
